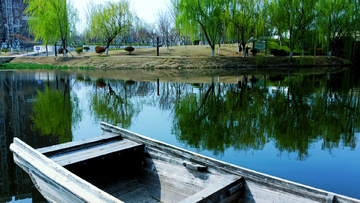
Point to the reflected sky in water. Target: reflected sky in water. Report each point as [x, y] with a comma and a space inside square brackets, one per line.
[300, 127]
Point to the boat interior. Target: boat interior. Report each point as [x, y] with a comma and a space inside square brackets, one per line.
[132, 172]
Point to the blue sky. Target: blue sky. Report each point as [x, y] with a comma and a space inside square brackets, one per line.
[145, 9]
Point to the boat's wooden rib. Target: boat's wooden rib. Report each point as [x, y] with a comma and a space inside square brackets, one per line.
[259, 187]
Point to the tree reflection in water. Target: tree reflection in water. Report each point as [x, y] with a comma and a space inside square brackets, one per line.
[111, 103]
[295, 113]
[56, 112]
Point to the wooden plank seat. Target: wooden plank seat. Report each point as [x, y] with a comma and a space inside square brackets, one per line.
[68, 155]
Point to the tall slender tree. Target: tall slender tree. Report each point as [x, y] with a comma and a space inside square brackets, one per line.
[241, 14]
[110, 19]
[292, 18]
[334, 21]
[206, 16]
[52, 20]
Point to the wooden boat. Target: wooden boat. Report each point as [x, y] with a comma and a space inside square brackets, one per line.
[122, 166]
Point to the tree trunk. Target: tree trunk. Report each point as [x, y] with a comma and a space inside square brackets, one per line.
[329, 57]
[290, 55]
[212, 52]
[219, 46]
[266, 46]
[55, 50]
[47, 54]
[64, 50]
[107, 48]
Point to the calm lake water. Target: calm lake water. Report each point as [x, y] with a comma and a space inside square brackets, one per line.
[302, 126]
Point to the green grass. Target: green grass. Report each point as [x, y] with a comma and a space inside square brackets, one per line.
[31, 66]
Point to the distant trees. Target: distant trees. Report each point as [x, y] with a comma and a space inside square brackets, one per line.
[109, 20]
[298, 24]
[166, 29]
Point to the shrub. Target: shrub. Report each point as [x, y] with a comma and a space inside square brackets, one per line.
[319, 51]
[79, 50]
[100, 50]
[86, 48]
[100, 83]
[277, 52]
[196, 41]
[254, 51]
[61, 51]
[129, 49]
[97, 47]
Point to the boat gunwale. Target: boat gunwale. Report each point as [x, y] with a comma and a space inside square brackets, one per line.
[275, 183]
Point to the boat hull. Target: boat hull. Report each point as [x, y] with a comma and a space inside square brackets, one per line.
[150, 171]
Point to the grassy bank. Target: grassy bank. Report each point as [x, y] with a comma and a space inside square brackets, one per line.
[193, 57]
[34, 66]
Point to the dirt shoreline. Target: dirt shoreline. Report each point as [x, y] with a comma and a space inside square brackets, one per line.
[193, 57]
[118, 62]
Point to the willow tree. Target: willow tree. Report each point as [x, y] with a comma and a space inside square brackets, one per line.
[242, 17]
[206, 16]
[52, 20]
[292, 19]
[110, 19]
[334, 21]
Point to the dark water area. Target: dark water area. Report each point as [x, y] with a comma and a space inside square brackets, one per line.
[302, 126]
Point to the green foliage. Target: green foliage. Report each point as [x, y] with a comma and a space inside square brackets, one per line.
[79, 50]
[295, 22]
[110, 19]
[86, 48]
[207, 16]
[114, 44]
[334, 21]
[97, 46]
[32, 66]
[246, 19]
[51, 20]
[196, 41]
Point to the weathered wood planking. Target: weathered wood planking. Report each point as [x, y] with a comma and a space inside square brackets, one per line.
[263, 187]
[54, 182]
[157, 179]
[78, 145]
[95, 152]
